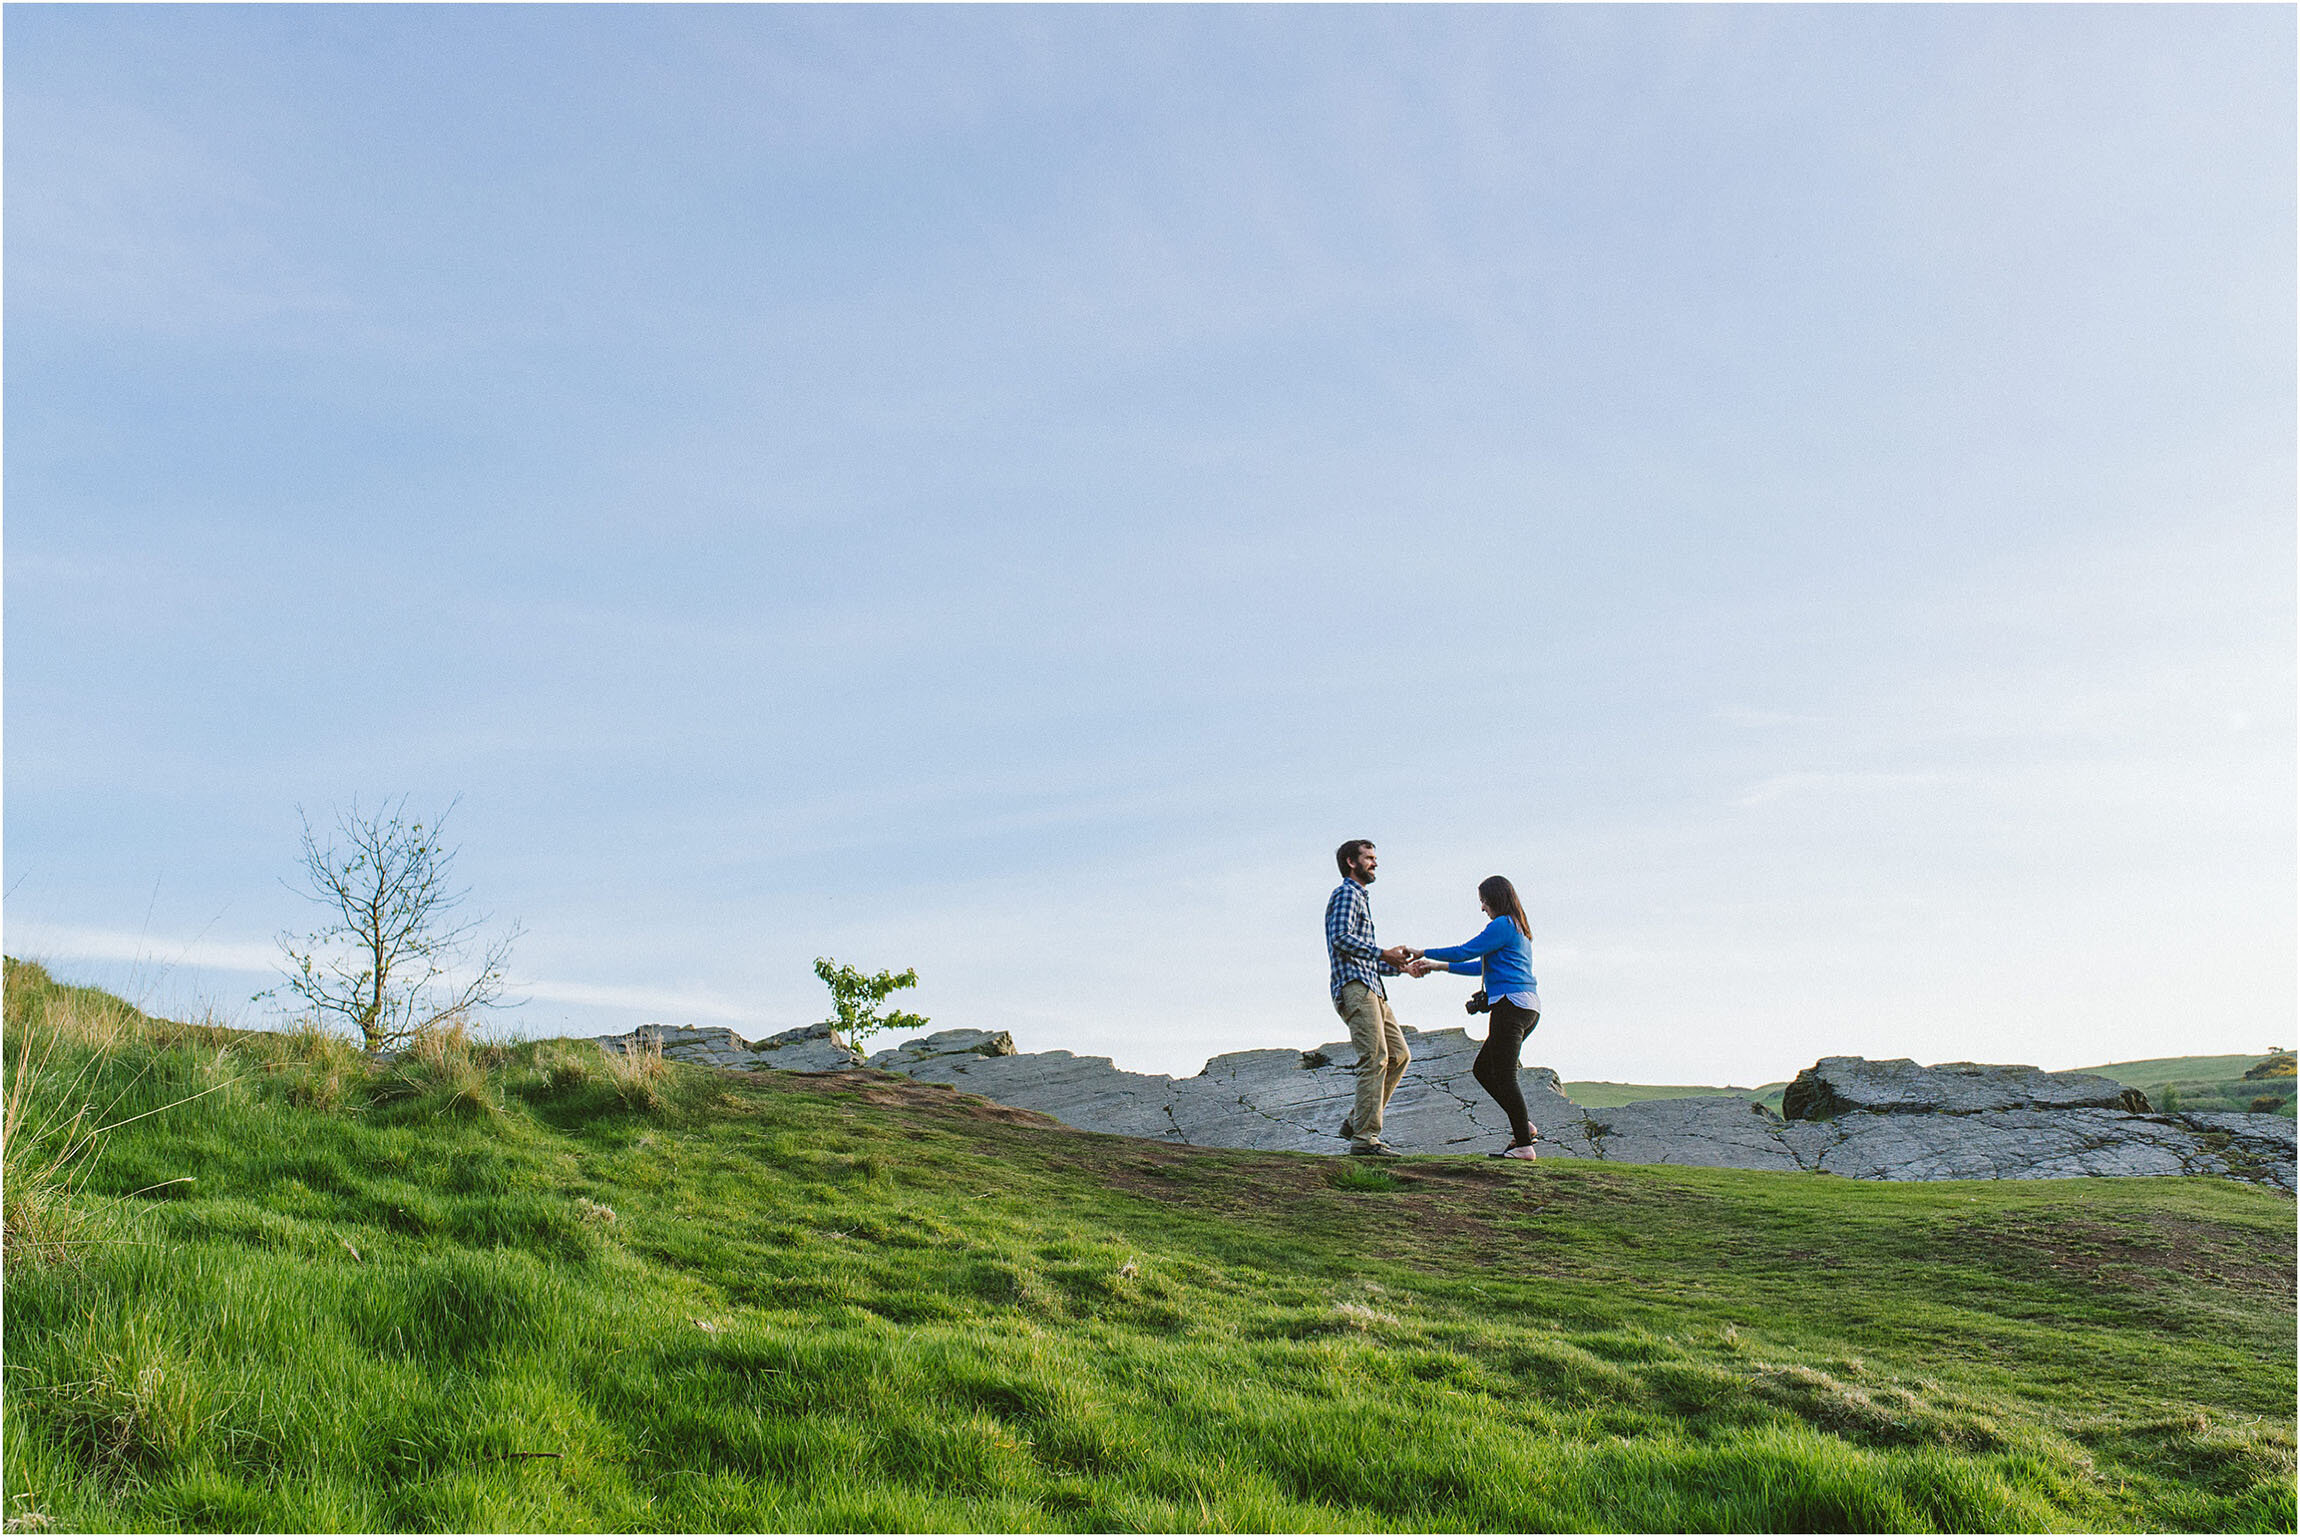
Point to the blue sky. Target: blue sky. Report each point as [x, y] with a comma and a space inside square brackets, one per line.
[1807, 492]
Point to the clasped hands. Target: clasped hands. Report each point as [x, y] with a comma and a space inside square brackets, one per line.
[1411, 961]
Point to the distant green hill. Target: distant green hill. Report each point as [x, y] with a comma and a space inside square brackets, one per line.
[2169, 1069]
[2198, 1083]
[2203, 1083]
[533, 1288]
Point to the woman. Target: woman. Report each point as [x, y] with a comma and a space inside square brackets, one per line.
[1502, 954]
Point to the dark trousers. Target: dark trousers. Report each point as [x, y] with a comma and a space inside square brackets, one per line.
[1496, 1069]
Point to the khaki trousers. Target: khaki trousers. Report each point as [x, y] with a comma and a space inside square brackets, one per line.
[1382, 1056]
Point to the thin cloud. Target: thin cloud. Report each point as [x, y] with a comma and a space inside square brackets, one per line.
[668, 1004]
[1805, 786]
[71, 942]
[1735, 715]
[126, 221]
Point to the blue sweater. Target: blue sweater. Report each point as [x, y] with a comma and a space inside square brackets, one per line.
[1501, 954]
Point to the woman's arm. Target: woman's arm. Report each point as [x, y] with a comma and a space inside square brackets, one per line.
[1489, 939]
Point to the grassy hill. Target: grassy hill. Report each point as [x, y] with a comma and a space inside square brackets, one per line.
[522, 1288]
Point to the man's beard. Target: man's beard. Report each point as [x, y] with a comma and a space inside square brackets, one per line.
[1365, 877]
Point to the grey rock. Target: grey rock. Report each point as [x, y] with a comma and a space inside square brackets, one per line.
[1711, 1131]
[1086, 1092]
[808, 1049]
[685, 1043]
[2255, 1147]
[1807, 1141]
[945, 1043]
[2025, 1144]
[1835, 1086]
[2270, 1131]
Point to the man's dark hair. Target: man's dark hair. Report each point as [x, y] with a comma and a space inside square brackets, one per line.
[1347, 854]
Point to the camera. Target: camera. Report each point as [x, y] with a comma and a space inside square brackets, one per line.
[1477, 1004]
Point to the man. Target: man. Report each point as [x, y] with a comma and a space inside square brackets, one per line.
[1356, 966]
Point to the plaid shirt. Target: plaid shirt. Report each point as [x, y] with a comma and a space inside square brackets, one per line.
[1351, 952]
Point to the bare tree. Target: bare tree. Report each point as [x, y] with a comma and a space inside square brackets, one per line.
[394, 959]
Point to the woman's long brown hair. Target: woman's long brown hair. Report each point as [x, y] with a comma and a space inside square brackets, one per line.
[1496, 892]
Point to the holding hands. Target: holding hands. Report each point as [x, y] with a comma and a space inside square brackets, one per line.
[1411, 961]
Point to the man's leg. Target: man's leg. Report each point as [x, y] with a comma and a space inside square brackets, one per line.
[1394, 1053]
[1362, 1008]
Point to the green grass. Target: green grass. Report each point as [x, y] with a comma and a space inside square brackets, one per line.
[507, 1289]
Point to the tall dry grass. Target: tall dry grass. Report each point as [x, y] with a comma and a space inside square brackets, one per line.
[42, 1155]
[58, 1103]
[636, 1072]
[563, 1067]
[322, 1071]
[450, 1071]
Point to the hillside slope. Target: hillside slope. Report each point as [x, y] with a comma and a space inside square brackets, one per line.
[518, 1289]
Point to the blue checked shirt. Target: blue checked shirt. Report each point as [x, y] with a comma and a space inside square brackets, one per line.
[1351, 953]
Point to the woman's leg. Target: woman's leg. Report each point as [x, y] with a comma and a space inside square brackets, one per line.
[1496, 1069]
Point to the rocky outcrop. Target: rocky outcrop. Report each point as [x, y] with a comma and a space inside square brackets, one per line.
[1891, 1120]
[1835, 1086]
[944, 1043]
[808, 1049]
[2041, 1144]
[1276, 1099]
